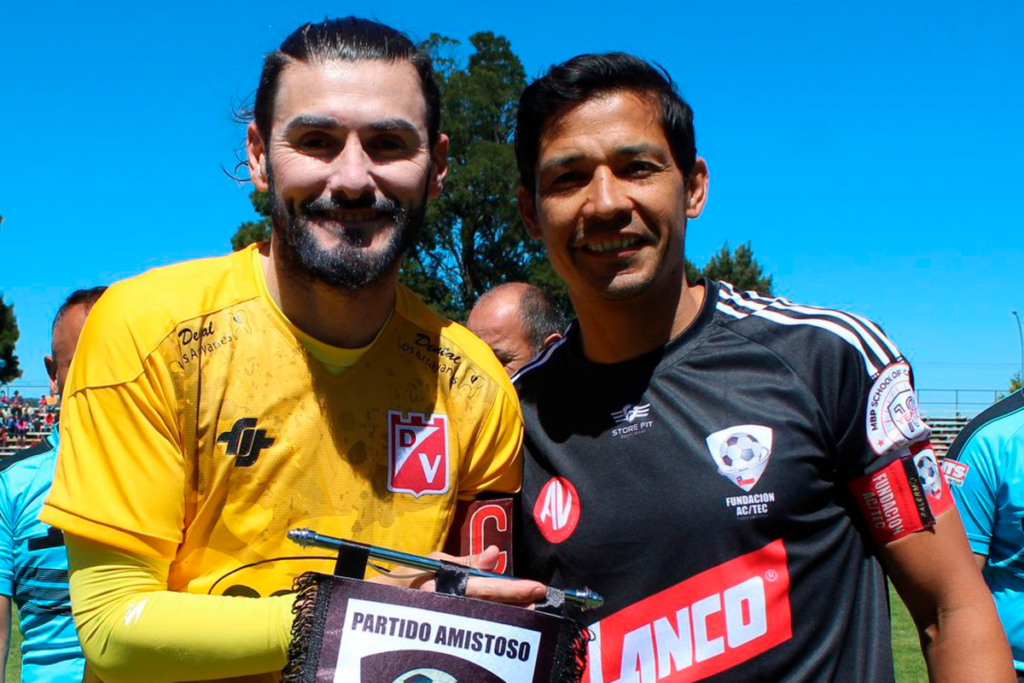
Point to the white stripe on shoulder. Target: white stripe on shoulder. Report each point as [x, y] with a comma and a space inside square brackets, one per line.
[539, 360]
[741, 306]
[729, 310]
[855, 322]
[881, 335]
[859, 323]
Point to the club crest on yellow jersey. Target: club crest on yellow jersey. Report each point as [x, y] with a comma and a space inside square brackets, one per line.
[418, 460]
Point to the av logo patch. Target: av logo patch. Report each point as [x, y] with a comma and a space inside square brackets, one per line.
[741, 453]
[245, 441]
[557, 511]
[418, 460]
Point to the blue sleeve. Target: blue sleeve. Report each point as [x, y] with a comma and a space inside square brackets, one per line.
[978, 494]
[7, 526]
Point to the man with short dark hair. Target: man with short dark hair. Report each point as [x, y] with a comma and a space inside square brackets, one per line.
[218, 404]
[730, 471]
[518, 321]
[985, 469]
[33, 561]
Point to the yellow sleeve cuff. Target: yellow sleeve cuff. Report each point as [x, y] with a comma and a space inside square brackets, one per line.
[133, 629]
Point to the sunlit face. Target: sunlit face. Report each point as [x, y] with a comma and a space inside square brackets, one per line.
[497, 321]
[349, 168]
[610, 203]
[65, 341]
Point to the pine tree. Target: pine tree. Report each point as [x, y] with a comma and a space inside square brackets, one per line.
[9, 370]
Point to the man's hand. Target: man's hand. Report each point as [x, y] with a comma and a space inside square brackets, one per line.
[518, 592]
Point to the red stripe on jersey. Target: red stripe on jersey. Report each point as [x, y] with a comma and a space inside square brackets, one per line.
[893, 501]
[702, 626]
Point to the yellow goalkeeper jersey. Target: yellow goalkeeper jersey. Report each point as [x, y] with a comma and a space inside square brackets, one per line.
[198, 428]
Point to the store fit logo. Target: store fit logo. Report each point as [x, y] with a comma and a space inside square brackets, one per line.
[628, 416]
[417, 453]
[705, 625]
[245, 441]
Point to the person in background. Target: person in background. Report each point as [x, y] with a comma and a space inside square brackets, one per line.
[33, 559]
[518, 321]
[985, 469]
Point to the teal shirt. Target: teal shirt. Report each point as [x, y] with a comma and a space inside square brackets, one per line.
[34, 568]
[988, 486]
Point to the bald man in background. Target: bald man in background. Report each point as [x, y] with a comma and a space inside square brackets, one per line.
[518, 321]
[33, 561]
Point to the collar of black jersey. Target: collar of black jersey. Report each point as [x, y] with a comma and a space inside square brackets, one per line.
[650, 362]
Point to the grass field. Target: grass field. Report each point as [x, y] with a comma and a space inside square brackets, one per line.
[905, 647]
[14, 656]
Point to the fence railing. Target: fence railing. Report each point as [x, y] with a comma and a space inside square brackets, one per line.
[28, 390]
[953, 403]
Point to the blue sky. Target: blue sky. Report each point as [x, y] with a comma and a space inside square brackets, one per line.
[871, 152]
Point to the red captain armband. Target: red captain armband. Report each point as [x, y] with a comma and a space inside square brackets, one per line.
[893, 502]
[481, 523]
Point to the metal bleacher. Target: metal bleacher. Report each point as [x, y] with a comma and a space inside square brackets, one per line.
[947, 411]
[31, 392]
[14, 447]
[944, 431]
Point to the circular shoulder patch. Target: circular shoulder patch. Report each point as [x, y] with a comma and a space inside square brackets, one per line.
[557, 511]
[893, 420]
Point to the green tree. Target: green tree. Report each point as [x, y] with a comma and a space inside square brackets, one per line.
[473, 239]
[1015, 382]
[254, 231]
[9, 370]
[738, 268]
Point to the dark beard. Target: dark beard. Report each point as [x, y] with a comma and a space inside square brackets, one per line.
[347, 266]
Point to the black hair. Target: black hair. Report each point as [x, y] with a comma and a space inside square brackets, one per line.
[584, 77]
[86, 297]
[540, 317]
[348, 39]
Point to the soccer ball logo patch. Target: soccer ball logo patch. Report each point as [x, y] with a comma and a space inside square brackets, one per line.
[741, 453]
[928, 473]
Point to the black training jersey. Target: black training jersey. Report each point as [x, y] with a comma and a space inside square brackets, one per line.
[704, 490]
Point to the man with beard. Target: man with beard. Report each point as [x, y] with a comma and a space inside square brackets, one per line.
[215, 405]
